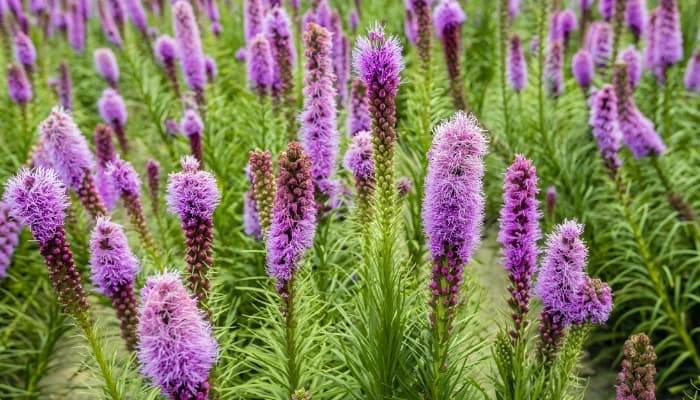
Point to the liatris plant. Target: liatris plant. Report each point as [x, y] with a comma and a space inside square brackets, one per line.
[453, 211]
[65, 85]
[448, 17]
[600, 42]
[421, 12]
[353, 21]
[70, 156]
[359, 159]
[113, 111]
[114, 268]
[127, 183]
[358, 112]
[650, 40]
[105, 154]
[410, 26]
[75, 26]
[668, 38]
[189, 45]
[606, 131]
[254, 13]
[636, 17]
[582, 68]
[377, 61]
[259, 65]
[318, 119]
[633, 59]
[166, 52]
[606, 8]
[25, 53]
[106, 65]
[169, 319]
[193, 127]
[517, 67]
[519, 234]
[109, 25]
[116, 9]
[193, 195]
[214, 17]
[251, 221]
[263, 187]
[636, 378]
[153, 174]
[277, 29]
[566, 24]
[554, 69]
[18, 86]
[137, 15]
[692, 73]
[210, 68]
[9, 237]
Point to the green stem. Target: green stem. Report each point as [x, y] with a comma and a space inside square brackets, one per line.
[89, 331]
[290, 337]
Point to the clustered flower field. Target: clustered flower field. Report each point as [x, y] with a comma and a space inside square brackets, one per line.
[325, 199]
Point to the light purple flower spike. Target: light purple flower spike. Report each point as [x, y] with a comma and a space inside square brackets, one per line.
[18, 86]
[112, 107]
[554, 68]
[582, 68]
[113, 264]
[137, 15]
[109, 25]
[633, 59]
[668, 37]
[604, 121]
[105, 154]
[636, 17]
[358, 113]
[606, 8]
[277, 29]
[106, 65]
[190, 48]
[9, 237]
[650, 39]
[75, 25]
[254, 13]
[65, 85]
[692, 73]
[599, 42]
[25, 52]
[517, 68]
[259, 65]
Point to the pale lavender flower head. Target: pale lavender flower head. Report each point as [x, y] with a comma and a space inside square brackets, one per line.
[517, 67]
[137, 15]
[448, 13]
[37, 199]
[9, 237]
[566, 21]
[165, 49]
[582, 68]
[109, 26]
[36, 6]
[240, 54]
[112, 107]
[404, 185]
[68, 149]
[192, 192]
[692, 73]
[554, 33]
[75, 26]
[599, 42]
[106, 65]
[191, 124]
[669, 38]
[359, 156]
[25, 52]
[604, 121]
[554, 68]
[636, 16]
[606, 8]
[277, 29]
[112, 263]
[353, 20]
[534, 44]
[597, 301]
[251, 220]
[633, 59]
[123, 176]
[453, 205]
[18, 86]
[377, 60]
[189, 46]
[254, 13]
[358, 113]
[210, 68]
[561, 275]
[176, 347]
[259, 64]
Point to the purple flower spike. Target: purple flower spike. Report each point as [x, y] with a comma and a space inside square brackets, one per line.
[318, 119]
[358, 114]
[293, 217]
[153, 174]
[262, 179]
[513, 9]
[636, 17]
[166, 52]
[259, 65]
[585, 4]
[359, 159]
[193, 195]
[277, 28]
[551, 200]
[606, 131]
[554, 69]
[9, 237]
[582, 68]
[636, 379]
[253, 18]
[214, 16]
[448, 18]
[76, 28]
[109, 25]
[633, 59]
[137, 15]
[597, 301]
[424, 25]
[106, 65]
[517, 68]
[113, 111]
[561, 274]
[567, 23]
[669, 38]
[114, 269]
[65, 85]
[650, 39]
[251, 221]
[176, 347]
[25, 52]
[18, 86]
[38, 199]
[606, 8]
[323, 13]
[637, 131]
[193, 127]
[599, 42]
[190, 48]
[116, 9]
[353, 20]
[692, 73]
[410, 26]
[210, 68]
[519, 233]
[340, 57]
[105, 154]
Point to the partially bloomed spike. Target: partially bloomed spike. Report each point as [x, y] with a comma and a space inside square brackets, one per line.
[582, 68]
[109, 25]
[137, 15]
[650, 40]
[517, 67]
[254, 14]
[359, 159]
[260, 65]
[75, 26]
[358, 113]
[604, 121]
[668, 37]
[166, 52]
[448, 18]
[106, 66]
[606, 8]
[636, 378]
[105, 154]
[18, 86]
[599, 42]
[633, 59]
[554, 69]
[9, 237]
[189, 45]
[25, 52]
[277, 29]
[263, 186]
[113, 111]
[65, 85]
[692, 73]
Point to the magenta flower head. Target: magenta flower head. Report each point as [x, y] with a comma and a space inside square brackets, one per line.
[517, 67]
[259, 65]
[105, 154]
[165, 49]
[124, 177]
[599, 42]
[597, 301]
[519, 233]
[109, 25]
[137, 15]
[75, 26]
[9, 237]
[448, 18]
[176, 347]
[582, 68]
[277, 29]
[636, 378]
[604, 121]
[210, 68]
[633, 59]
[636, 17]
[106, 66]
[669, 38]
[566, 23]
[253, 12]
[190, 48]
[193, 127]
[359, 158]
[692, 73]
[606, 8]
[293, 217]
[358, 114]
[25, 52]
[561, 274]
[554, 68]
[113, 111]
[18, 86]
[318, 119]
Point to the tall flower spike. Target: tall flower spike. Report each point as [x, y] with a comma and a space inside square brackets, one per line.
[448, 17]
[259, 65]
[137, 15]
[75, 25]
[554, 69]
[633, 59]
[517, 68]
[109, 25]
[637, 131]
[114, 269]
[253, 12]
[263, 186]
[113, 111]
[166, 52]
[377, 61]
[636, 378]
[193, 195]
[424, 25]
[116, 9]
[636, 17]
[359, 159]
[153, 174]
[214, 17]
[513, 9]
[251, 220]
[293, 217]
[650, 39]
[71, 158]
[692, 73]
[277, 29]
[566, 24]
[18, 86]
[9, 237]
[668, 38]
[38, 199]
[519, 233]
[210, 68]
[193, 127]
[606, 131]
[25, 52]
[176, 346]
[410, 26]
[358, 113]
[190, 49]
[606, 8]
[599, 43]
[105, 154]
[318, 119]
[65, 86]
[582, 68]
[106, 66]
